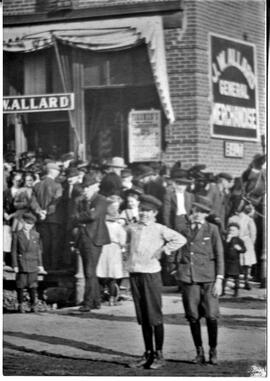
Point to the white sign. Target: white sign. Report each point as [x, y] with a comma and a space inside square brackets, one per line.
[144, 135]
[37, 103]
[233, 149]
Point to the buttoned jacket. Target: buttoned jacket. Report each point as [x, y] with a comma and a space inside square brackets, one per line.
[26, 253]
[201, 259]
[170, 207]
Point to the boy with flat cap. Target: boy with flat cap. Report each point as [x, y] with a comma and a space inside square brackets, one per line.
[201, 271]
[148, 240]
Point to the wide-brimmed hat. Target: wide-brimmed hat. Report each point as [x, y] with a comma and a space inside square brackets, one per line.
[203, 203]
[180, 176]
[117, 162]
[149, 202]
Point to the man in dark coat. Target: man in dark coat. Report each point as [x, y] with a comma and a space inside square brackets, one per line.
[90, 218]
[177, 201]
[49, 194]
[201, 271]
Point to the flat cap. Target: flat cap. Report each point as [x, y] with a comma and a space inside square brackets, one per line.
[150, 202]
[224, 175]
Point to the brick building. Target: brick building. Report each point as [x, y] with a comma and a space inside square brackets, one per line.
[162, 59]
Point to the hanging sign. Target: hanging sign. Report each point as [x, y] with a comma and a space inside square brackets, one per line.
[234, 89]
[37, 103]
[144, 135]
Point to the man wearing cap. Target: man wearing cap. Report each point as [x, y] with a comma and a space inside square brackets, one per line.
[219, 195]
[111, 184]
[90, 217]
[201, 271]
[148, 240]
[49, 193]
[177, 201]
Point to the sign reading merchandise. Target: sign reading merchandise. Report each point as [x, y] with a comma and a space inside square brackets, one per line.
[234, 90]
[38, 103]
[144, 135]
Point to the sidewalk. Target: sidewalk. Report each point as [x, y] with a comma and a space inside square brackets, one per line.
[112, 333]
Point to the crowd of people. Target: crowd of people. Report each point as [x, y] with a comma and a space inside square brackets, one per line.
[123, 220]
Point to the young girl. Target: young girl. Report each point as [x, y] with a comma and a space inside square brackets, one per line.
[110, 264]
[248, 234]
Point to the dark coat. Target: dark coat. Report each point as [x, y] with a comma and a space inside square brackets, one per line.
[170, 219]
[92, 216]
[201, 259]
[221, 203]
[49, 193]
[8, 204]
[26, 253]
[232, 256]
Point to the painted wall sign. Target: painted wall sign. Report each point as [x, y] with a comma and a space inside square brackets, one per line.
[144, 135]
[37, 103]
[234, 91]
[233, 149]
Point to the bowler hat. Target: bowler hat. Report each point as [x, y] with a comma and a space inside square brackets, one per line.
[72, 172]
[68, 156]
[224, 175]
[149, 202]
[203, 203]
[29, 218]
[89, 180]
[117, 162]
[180, 176]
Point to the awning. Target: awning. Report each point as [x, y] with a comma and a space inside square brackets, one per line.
[100, 36]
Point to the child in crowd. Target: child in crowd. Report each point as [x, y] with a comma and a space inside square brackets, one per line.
[148, 240]
[233, 247]
[110, 264]
[130, 214]
[26, 259]
[248, 233]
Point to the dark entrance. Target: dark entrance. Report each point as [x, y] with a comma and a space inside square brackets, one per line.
[106, 113]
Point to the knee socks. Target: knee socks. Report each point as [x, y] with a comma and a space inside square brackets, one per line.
[212, 328]
[195, 328]
[159, 336]
[148, 337]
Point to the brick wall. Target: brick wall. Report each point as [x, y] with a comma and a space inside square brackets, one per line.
[189, 138]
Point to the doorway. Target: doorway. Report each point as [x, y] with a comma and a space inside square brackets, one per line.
[106, 118]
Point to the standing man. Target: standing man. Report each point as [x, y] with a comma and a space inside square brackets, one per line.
[49, 194]
[201, 271]
[94, 234]
[177, 201]
[111, 184]
[219, 195]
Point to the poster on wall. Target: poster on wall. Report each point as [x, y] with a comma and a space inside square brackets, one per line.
[234, 90]
[144, 135]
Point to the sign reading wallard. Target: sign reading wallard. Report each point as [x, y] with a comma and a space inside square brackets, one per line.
[233, 88]
[37, 103]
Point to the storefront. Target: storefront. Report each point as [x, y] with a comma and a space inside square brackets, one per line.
[111, 69]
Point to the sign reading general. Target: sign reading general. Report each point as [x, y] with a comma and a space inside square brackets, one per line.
[37, 103]
[144, 135]
[233, 88]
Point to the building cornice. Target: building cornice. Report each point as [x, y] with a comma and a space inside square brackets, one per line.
[170, 10]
